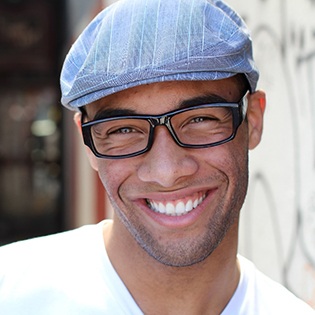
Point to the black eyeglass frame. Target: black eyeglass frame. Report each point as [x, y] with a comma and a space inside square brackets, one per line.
[238, 109]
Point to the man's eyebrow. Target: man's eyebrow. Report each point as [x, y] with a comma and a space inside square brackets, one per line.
[203, 99]
[199, 100]
[112, 112]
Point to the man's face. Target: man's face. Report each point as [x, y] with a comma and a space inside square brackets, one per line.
[141, 189]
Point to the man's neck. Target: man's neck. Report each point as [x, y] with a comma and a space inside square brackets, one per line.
[204, 288]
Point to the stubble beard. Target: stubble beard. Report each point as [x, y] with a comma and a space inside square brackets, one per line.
[188, 251]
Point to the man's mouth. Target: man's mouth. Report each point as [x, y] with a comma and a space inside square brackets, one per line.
[177, 207]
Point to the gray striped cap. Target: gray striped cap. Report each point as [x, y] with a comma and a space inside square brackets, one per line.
[135, 42]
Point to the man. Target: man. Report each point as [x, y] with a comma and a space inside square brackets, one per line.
[168, 108]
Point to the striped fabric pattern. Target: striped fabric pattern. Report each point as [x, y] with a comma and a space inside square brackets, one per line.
[135, 42]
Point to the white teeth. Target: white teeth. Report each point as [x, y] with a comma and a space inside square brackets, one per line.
[190, 205]
[170, 209]
[161, 208]
[180, 208]
[196, 203]
[175, 209]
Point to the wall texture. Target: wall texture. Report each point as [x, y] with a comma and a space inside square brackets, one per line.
[278, 223]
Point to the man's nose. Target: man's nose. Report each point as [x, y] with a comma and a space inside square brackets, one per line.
[166, 163]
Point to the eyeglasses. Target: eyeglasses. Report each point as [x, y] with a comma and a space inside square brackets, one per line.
[195, 127]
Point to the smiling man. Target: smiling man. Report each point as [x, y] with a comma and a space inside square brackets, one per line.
[166, 100]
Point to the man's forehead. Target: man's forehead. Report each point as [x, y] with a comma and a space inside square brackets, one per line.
[160, 97]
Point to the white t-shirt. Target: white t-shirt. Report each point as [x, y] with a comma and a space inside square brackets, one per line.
[70, 273]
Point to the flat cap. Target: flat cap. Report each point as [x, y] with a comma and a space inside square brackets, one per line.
[135, 42]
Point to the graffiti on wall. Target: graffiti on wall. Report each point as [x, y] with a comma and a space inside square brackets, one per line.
[278, 225]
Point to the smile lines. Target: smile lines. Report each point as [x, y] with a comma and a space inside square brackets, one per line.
[177, 208]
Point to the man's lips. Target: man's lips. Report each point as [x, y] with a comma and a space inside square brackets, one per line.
[177, 207]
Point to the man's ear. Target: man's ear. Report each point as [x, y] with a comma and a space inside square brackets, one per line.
[255, 115]
[92, 158]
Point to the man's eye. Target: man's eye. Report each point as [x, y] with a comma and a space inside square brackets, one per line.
[123, 130]
[202, 119]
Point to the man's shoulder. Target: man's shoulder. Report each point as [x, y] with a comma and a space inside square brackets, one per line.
[46, 255]
[268, 295]
[49, 244]
[63, 273]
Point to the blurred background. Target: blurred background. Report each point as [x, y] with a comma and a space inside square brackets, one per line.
[47, 186]
[32, 38]
[37, 151]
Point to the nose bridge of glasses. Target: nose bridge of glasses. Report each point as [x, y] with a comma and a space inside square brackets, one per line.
[160, 121]
[163, 120]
